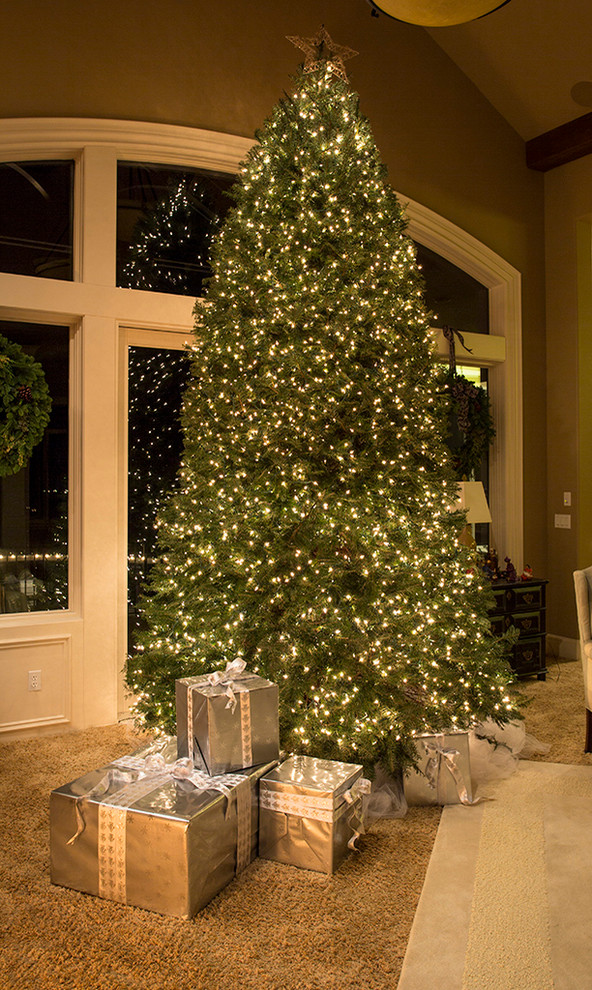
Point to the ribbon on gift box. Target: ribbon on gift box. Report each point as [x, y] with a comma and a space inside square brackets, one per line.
[136, 777]
[321, 807]
[439, 757]
[235, 669]
[230, 679]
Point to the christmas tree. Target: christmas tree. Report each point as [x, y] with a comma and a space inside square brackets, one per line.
[311, 531]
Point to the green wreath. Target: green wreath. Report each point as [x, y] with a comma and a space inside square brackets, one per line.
[25, 405]
[470, 424]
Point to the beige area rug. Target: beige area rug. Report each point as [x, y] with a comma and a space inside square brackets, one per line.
[274, 928]
[506, 901]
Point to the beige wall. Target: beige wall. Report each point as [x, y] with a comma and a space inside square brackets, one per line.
[568, 218]
[223, 65]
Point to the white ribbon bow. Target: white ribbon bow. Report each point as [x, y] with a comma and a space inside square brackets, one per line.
[437, 756]
[234, 670]
[148, 774]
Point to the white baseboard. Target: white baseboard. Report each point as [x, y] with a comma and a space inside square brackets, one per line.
[561, 647]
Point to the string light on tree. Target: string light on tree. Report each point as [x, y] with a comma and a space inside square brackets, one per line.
[310, 532]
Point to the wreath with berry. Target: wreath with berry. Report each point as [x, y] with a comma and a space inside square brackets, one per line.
[470, 424]
[25, 405]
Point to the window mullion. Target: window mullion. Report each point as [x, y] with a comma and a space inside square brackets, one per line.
[97, 219]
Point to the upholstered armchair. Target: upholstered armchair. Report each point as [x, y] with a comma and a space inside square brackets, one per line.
[583, 589]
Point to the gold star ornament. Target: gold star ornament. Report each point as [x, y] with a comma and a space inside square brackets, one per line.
[322, 50]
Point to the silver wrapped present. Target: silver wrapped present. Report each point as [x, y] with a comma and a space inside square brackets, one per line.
[443, 772]
[310, 812]
[227, 720]
[158, 835]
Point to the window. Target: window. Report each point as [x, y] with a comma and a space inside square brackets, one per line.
[166, 218]
[156, 383]
[36, 227]
[34, 501]
[456, 298]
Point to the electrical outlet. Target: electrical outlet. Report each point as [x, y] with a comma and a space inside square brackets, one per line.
[562, 521]
[34, 680]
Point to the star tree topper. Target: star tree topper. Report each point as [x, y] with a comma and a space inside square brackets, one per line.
[322, 50]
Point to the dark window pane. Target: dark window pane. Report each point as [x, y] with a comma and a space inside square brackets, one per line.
[457, 299]
[166, 218]
[36, 218]
[34, 502]
[156, 383]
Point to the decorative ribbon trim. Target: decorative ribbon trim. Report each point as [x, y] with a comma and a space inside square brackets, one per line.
[229, 678]
[449, 334]
[322, 808]
[246, 732]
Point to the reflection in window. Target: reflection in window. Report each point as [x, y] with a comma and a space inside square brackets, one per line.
[34, 502]
[36, 221]
[166, 218]
[157, 381]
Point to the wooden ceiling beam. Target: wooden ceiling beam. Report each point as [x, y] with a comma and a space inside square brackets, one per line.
[561, 145]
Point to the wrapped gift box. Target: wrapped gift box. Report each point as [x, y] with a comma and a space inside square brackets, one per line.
[310, 810]
[134, 832]
[443, 772]
[227, 720]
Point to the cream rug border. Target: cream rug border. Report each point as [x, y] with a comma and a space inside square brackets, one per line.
[504, 903]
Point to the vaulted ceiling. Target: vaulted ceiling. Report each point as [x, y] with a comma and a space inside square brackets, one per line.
[525, 58]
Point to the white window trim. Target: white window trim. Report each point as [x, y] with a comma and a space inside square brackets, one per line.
[504, 283]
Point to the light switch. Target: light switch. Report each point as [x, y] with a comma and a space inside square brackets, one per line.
[567, 498]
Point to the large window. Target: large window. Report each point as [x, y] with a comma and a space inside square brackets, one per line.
[36, 223]
[34, 501]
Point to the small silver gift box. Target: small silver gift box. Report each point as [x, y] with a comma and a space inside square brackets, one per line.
[443, 772]
[310, 810]
[133, 832]
[227, 720]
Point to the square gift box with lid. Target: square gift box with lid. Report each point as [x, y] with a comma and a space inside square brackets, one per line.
[227, 720]
[443, 772]
[310, 812]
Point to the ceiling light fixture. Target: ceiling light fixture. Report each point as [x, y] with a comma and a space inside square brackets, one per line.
[437, 13]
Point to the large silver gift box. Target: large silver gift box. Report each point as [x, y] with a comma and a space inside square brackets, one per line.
[310, 810]
[227, 721]
[150, 839]
[443, 772]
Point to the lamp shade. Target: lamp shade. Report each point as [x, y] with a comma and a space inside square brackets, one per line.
[472, 498]
[438, 13]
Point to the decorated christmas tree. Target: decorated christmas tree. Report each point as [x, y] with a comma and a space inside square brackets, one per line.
[311, 533]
